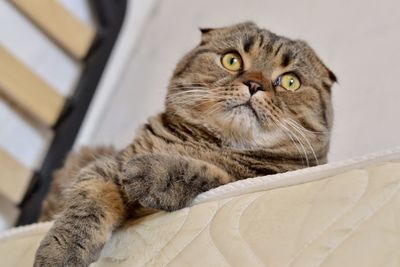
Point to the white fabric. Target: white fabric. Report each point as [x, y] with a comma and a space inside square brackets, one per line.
[340, 214]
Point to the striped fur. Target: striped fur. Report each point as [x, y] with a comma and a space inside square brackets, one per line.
[206, 137]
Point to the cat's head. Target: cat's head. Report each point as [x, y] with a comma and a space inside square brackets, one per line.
[255, 89]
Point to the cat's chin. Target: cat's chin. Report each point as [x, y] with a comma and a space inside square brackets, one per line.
[241, 129]
[259, 139]
[241, 118]
[247, 110]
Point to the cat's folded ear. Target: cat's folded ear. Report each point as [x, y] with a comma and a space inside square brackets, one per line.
[206, 34]
[244, 25]
[331, 75]
[206, 30]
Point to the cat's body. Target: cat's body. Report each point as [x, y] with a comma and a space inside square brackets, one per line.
[223, 122]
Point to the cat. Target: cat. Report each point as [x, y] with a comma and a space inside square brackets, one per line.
[245, 102]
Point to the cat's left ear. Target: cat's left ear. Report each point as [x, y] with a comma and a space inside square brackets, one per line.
[331, 75]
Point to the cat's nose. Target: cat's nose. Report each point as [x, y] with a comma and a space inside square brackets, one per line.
[254, 87]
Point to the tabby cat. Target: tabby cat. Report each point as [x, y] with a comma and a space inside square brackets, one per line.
[245, 102]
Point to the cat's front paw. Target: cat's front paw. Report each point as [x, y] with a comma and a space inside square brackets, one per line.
[152, 181]
[58, 250]
[168, 182]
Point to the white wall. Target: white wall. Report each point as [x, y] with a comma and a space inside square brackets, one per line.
[128, 40]
[358, 40]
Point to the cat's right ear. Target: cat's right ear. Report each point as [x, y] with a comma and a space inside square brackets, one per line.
[205, 30]
[205, 35]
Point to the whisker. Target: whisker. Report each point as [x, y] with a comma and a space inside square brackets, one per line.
[305, 138]
[214, 108]
[304, 129]
[291, 138]
[222, 80]
[189, 84]
[299, 141]
[188, 90]
[190, 100]
[194, 98]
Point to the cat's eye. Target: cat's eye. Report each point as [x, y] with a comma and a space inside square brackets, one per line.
[232, 61]
[289, 81]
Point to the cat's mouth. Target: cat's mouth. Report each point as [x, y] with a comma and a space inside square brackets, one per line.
[247, 105]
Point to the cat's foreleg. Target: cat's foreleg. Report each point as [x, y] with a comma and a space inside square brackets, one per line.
[94, 208]
[169, 182]
[98, 201]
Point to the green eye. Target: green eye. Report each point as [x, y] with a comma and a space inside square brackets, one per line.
[232, 61]
[290, 82]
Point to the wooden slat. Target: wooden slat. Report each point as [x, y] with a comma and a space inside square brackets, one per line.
[29, 92]
[30, 45]
[14, 177]
[57, 22]
[9, 213]
[22, 138]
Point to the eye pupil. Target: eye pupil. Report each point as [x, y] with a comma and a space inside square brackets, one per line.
[233, 61]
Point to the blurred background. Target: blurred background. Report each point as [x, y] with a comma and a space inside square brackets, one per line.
[77, 72]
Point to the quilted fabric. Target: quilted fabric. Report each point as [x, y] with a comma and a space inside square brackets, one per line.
[351, 219]
[334, 215]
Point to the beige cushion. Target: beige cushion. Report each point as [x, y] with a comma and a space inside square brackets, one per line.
[349, 218]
